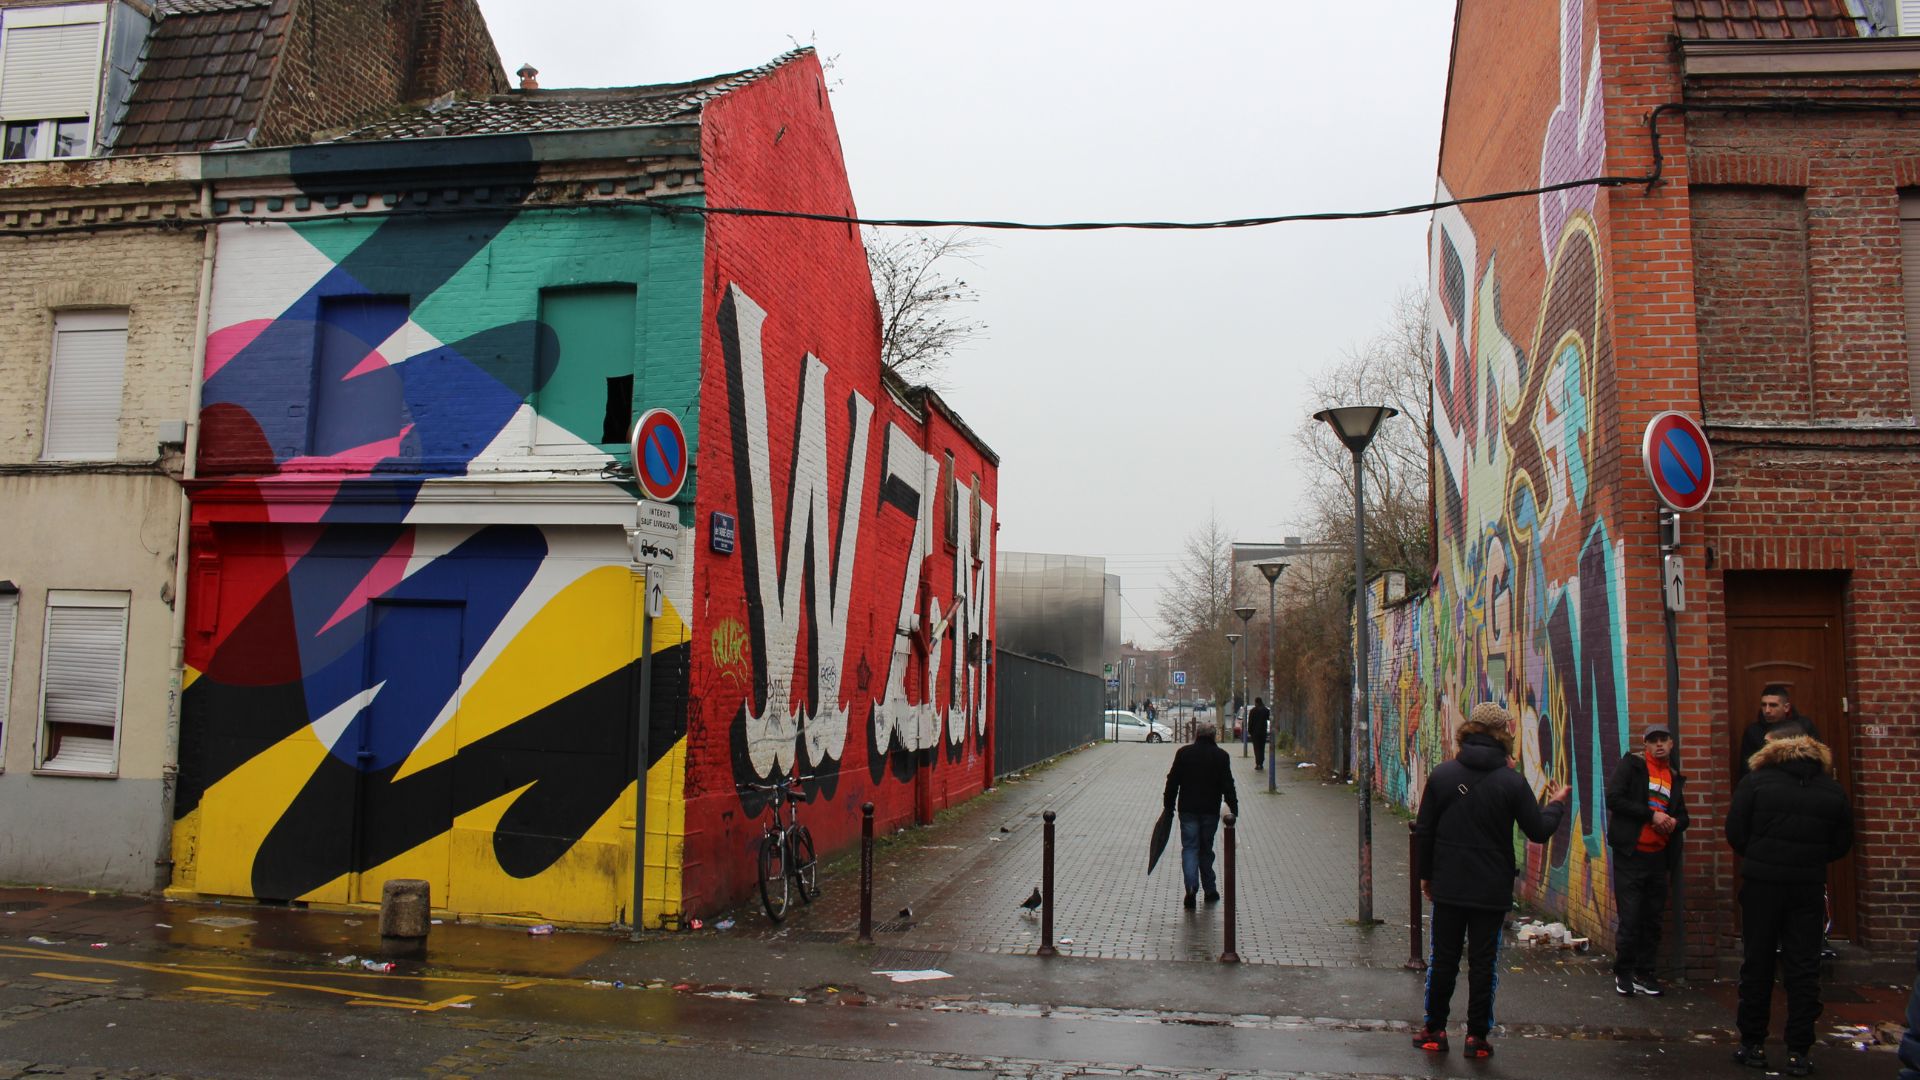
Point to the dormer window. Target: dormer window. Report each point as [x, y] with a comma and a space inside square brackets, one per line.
[49, 80]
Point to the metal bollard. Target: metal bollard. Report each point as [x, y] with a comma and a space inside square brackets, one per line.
[866, 873]
[1231, 956]
[1046, 889]
[1416, 959]
[406, 911]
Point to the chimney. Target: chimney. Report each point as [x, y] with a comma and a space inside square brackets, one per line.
[529, 77]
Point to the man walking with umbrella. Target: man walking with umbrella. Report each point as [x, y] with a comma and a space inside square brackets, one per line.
[1201, 776]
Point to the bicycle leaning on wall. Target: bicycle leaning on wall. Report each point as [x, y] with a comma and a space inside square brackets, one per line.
[787, 864]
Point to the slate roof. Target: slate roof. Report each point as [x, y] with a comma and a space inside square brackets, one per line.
[525, 111]
[1770, 20]
[204, 74]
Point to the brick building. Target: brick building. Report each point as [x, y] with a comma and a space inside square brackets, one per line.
[1749, 264]
[103, 108]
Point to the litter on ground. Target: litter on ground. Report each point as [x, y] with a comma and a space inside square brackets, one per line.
[915, 975]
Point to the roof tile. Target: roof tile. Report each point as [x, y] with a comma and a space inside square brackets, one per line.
[1770, 20]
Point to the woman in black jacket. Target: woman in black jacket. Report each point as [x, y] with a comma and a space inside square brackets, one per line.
[1464, 835]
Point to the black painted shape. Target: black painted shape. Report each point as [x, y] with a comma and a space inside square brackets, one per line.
[575, 753]
[746, 527]
[212, 741]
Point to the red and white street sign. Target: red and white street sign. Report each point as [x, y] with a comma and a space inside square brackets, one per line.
[659, 455]
[1679, 461]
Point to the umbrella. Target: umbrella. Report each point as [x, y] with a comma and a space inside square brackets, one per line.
[1161, 830]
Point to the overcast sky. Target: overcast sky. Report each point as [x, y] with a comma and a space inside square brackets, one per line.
[1129, 381]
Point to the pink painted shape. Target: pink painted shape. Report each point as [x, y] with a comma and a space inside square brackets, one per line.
[373, 361]
[387, 571]
[224, 344]
[358, 459]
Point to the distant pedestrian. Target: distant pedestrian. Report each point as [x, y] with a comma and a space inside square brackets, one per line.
[1257, 722]
[1778, 717]
[1788, 820]
[1646, 813]
[1464, 835]
[1201, 776]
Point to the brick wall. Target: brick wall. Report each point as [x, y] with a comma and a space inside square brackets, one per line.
[1750, 282]
[824, 679]
[344, 61]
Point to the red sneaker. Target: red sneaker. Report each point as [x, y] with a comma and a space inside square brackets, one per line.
[1427, 1039]
[1477, 1047]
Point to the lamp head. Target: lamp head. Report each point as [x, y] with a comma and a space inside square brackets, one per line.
[1245, 613]
[1355, 424]
[1270, 570]
[1233, 639]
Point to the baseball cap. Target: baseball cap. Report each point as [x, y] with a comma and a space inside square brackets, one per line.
[1656, 729]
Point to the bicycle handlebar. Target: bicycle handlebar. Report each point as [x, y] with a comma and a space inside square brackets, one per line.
[783, 783]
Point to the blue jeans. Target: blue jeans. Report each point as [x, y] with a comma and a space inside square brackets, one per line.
[1196, 849]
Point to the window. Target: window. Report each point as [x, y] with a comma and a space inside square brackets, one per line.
[83, 390]
[951, 520]
[357, 400]
[1910, 282]
[82, 670]
[584, 376]
[49, 80]
[9, 611]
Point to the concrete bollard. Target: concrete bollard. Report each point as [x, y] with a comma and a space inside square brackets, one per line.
[406, 912]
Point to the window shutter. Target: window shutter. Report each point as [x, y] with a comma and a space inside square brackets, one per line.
[1910, 285]
[9, 612]
[82, 667]
[1909, 15]
[83, 392]
[49, 72]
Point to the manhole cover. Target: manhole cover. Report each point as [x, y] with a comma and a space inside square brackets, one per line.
[817, 937]
[905, 959]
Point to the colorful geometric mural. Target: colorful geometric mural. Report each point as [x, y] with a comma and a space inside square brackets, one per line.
[1525, 606]
[389, 675]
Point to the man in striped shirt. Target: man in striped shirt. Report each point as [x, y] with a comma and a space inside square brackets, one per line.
[1646, 813]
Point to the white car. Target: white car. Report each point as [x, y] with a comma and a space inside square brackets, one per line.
[1123, 726]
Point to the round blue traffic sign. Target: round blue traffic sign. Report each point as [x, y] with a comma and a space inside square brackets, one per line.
[659, 455]
[1679, 461]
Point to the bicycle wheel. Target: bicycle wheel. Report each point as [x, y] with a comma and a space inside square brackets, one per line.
[775, 876]
[806, 871]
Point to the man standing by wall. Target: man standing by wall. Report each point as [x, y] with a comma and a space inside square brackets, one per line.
[1778, 718]
[1646, 813]
[1788, 820]
[1464, 834]
[1201, 776]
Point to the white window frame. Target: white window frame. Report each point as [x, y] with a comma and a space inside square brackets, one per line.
[88, 600]
[85, 392]
[47, 117]
[9, 620]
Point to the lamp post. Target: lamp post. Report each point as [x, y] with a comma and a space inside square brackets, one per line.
[1271, 571]
[1233, 659]
[1356, 425]
[1246, 670]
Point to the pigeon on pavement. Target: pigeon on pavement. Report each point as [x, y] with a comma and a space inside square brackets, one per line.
[1032, 903]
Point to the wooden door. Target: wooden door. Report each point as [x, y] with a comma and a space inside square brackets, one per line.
[1786, 627]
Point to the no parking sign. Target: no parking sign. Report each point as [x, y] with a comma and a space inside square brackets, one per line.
[659, 455]
[1679, 461]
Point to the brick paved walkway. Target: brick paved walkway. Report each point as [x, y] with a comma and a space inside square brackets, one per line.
[964, 877]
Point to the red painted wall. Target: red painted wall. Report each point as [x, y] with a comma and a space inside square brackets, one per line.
[800, 659]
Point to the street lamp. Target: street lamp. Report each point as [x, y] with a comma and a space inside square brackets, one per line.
[1246, 672]
[1356, 424]
[1271, 571]
[1233, 658]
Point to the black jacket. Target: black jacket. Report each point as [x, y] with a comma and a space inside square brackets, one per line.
[1627, 809]
[1257, 719]
[1789, 817]
[1201, 776]
[1756, 734]
[1467, 853]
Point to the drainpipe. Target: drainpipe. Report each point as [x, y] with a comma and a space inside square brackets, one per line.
[177, 650]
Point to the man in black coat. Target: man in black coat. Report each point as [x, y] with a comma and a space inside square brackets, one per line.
[1257, 722]
[1464, 835]
[1646, 813]
[1778, 718]
[1201, 776]
[1788, 820]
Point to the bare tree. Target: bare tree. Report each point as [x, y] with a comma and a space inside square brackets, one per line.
[920, 321]
[1197, 605]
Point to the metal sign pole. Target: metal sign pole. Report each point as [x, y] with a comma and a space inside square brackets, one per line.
[642, 712]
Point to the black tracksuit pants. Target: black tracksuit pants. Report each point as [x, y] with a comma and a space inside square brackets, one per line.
[1640, 901]
[1791, 919]
[1479, 930]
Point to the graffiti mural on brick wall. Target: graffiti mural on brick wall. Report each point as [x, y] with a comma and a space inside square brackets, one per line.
[1526, 603]
[382, 683]
[849, 635]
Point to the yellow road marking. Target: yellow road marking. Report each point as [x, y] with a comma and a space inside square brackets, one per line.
[203, 973]
[230, 990]
[68, 978]
[422, 1007]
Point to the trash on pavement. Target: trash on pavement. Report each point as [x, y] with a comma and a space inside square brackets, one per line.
[347, 960]
[377, 965]
[542, 930]
[723, 924]
[696, 924]
[1308, 765]
[915, 974]
[164, 926]
[738, 995]
[38, 940]
[98, 945]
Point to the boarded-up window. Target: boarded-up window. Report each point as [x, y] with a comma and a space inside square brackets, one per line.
[583, 396]
[84, 386]
[9, 614]
[1910, 281]
[359, 401]
[1750, 291]
[82, 671]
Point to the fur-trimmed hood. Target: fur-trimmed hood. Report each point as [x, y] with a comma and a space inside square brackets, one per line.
[1799, 748]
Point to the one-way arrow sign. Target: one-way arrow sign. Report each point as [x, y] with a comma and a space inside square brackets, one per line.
[656, 598]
